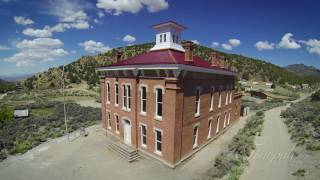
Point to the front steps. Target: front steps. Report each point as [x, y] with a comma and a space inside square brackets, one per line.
[124, 151]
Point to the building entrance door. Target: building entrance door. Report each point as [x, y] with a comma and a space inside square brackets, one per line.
[127, 132]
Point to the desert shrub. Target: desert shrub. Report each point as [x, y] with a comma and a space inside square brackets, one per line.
[316, 96]
[21, 147]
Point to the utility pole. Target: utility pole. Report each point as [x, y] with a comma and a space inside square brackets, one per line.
[64, 102]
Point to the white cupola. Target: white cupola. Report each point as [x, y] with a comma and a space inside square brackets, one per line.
[168, 36]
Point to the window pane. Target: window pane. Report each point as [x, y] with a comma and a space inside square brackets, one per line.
[159, 95]
[159, 138]
[159, 113]
[144, 93]
[159, 148]
[144, 105]
[144, 140]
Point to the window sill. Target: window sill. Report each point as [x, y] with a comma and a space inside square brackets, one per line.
[210, 110]
[116, 105]
[158, 152]
[126, 110]
[144, 146]
[194, 146]
[117, 132]
[143, 113]
[108, 102]
[109, 127]
[158, 118]
[197, 115]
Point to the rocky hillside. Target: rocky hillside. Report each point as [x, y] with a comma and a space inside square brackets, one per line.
[83, 69]
[304, 70]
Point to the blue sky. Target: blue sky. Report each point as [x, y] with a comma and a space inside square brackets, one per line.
[38, 34]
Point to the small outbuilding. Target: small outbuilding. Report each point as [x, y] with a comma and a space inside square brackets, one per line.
[21, 113]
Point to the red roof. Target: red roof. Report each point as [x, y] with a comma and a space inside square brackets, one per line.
[167, 56]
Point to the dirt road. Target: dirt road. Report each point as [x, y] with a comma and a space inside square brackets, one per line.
[274, 156]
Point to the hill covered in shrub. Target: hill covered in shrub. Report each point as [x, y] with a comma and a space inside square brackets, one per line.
[83, 69]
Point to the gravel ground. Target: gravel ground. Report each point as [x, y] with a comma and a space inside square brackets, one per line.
[275, 156]
[84, 158]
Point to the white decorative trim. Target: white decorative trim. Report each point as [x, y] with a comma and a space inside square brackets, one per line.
[158, 87]
[143, 85]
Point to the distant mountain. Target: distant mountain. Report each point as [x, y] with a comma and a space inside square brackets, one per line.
[83, 69]
[14, 78]
[304, 70]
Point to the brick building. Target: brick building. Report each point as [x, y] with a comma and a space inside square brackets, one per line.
[167, 103]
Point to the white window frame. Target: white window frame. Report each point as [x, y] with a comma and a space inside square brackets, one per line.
[142, 135]
[117, 120]
[141, 99]
[212, 99]
[157, 117]
[126, 97]
[129, 97]
[196, 138]
[116, 94]
[108, 93]
[218, 124]
[230, 97]
[209, 128]
[109, 119]
[220, 99]
[229, 117]
[156, 140]
[227, 98]
[197, 102]
[225, 120]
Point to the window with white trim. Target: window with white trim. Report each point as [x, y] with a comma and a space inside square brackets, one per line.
[129, 97]
[229, 117]
[212, 99]
[158, 141]
[116, 94]
[124, 97]
[159, 101]
[117, 123]
[227, 98]
[197, 108]
[195, 136]
[230, 97]
[143, 100]
[219, 104]
[108, 92]
[209, 129]
[143, 135]
[225, 120]
[218, 124]
[109, 120]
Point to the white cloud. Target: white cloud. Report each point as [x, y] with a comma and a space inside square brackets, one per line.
[313, 46]
[100, 14]
[215, 44]
[4, 48]
[226, 46]
[37, 32]
[37, 50]
[195, 41]
[264, 45]
[131, 6]
[94, 47]
[22, 20]
[129, 39]
[234, 42]
[287, 42]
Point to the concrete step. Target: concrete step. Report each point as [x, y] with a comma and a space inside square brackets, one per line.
[124, 151]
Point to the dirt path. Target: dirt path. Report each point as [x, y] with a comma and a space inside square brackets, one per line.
[274, 155]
